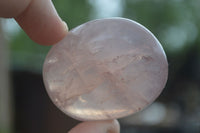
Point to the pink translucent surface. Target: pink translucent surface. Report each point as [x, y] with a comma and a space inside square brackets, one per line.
[105, 69]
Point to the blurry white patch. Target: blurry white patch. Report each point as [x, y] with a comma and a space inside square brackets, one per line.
[176, 37]
[155, 114]
[52, 60]
[10, 28]
[106, 8]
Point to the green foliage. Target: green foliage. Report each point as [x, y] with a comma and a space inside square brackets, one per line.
[74, 12]
[26, 54]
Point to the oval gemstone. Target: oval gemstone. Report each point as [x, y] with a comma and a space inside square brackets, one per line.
[105, 69]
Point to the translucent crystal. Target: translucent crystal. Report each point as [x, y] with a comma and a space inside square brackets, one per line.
[105, 69]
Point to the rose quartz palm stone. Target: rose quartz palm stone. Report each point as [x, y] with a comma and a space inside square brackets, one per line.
[105, 69]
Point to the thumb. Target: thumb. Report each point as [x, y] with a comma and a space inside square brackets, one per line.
[110, 126]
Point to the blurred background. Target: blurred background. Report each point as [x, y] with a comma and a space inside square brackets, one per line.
[26, 108]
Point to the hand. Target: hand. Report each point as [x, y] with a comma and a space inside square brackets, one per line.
[39, 19]
[110, 126]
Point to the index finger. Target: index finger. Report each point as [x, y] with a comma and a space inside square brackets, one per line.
[41, 22]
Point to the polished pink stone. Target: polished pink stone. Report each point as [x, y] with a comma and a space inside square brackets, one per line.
[105, 69]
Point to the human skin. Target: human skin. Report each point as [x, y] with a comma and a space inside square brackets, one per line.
[40, 21]
[38, 18]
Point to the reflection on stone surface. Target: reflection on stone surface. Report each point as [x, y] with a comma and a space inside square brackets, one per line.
[105, 69]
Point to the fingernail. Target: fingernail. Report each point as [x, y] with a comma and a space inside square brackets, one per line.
[65, 26]
[109, 126]
[114, 127]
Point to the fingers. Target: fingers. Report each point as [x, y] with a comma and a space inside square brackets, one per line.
[110, 126]
[38, 18]
[12, 8]
[42, 23]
